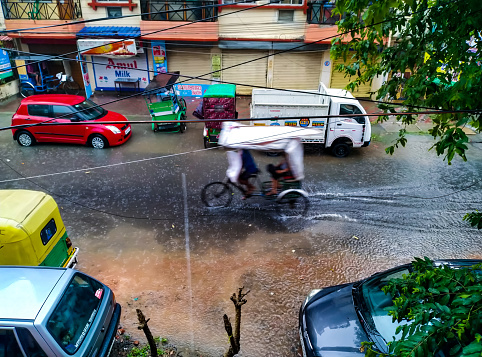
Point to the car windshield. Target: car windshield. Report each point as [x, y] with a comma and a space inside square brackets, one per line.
[75, 313]
[88, 110]
[375, 301]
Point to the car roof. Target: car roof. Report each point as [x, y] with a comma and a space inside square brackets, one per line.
[62, 99]
[24, 290]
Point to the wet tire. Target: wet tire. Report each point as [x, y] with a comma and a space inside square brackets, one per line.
[24, 138]
[182, 126]
[27, 89]
[71, 87]
[341, 149]
[217, 194]
[293, 204]
[98, 142]
[182, 103]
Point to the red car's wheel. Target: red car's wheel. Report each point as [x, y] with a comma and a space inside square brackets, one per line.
[24, 138]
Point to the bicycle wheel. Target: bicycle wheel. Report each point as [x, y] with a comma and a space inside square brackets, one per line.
[27, 89]
[217, 194]
[292, 204]
[71, 87]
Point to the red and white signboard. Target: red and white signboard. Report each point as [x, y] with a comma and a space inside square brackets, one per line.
[107, 70]
[107, 48]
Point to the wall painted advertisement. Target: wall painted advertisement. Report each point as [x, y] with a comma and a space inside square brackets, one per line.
[107, 70]
[191, 90]
[5, 66]
[159, 56]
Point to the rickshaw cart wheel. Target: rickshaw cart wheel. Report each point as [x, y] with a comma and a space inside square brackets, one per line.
[206, 143]
[27, 89]
[71, 87]
[183, 103]
[182, 126]
[24, 138]
[292, 204]
[217, 194]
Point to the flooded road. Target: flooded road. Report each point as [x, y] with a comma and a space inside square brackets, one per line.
[135, 213]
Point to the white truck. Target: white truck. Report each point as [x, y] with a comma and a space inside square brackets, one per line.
[341, 134]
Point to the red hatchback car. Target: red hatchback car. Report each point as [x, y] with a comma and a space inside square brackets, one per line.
[64, 108]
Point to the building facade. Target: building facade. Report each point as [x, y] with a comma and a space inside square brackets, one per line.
[276, 45]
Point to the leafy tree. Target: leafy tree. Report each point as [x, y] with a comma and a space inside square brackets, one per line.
[442, 308]
[436, 41]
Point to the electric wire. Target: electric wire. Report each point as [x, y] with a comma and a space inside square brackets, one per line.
[280, 52]
[276, 53]
[161, 30]
[77, 22]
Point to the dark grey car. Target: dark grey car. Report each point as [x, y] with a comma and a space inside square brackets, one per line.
[334, 321]
[55, 312]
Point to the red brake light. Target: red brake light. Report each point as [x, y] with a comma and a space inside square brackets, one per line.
[68, 242]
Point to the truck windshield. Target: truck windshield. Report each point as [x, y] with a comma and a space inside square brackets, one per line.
[71, 320]
[88, 110]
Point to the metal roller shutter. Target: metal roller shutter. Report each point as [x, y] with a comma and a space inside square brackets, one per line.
[252, 73]
[297, 70]
[338, 80]
[190, 61]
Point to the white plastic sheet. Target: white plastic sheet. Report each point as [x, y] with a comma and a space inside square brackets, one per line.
[264, 138]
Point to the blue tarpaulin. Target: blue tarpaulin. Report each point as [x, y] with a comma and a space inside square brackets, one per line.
[109, 31]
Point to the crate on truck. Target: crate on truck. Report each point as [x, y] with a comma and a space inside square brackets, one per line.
[340, 134]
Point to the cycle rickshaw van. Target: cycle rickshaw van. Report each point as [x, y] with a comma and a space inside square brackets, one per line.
[166, 107]
[35, 77]
[32, 231]
[218, 102]
[291, 199]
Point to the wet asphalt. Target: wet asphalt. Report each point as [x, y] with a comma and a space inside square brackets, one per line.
[136, 215]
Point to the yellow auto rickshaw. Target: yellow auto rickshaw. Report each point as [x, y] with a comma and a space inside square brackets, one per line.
[32, 231]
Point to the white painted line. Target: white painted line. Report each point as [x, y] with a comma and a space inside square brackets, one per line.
[188, 255]
[104, 166]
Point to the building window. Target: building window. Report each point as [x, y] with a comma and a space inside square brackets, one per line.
[113, 12]
[260, 2]
[285, 15]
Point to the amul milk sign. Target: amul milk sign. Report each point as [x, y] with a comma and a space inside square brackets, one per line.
[107, 70]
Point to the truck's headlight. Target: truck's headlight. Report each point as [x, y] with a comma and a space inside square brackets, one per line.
[114, 129]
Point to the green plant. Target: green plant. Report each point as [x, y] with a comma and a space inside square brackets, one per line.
[436, 42]
[143, 352]
[441, 308]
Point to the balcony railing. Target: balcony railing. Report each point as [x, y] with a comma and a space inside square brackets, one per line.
[154, 10]
[320, 12]
[41, 9]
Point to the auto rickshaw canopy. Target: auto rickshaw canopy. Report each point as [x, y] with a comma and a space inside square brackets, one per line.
[25, 237]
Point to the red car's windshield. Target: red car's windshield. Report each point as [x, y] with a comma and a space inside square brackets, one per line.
[88, 110]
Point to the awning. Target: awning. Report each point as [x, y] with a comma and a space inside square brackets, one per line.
[5, 38]
[109, 31]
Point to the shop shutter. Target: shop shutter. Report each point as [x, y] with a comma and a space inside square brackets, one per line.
[338, 80]
[297, 70]
[189, 61]
[252, 73]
